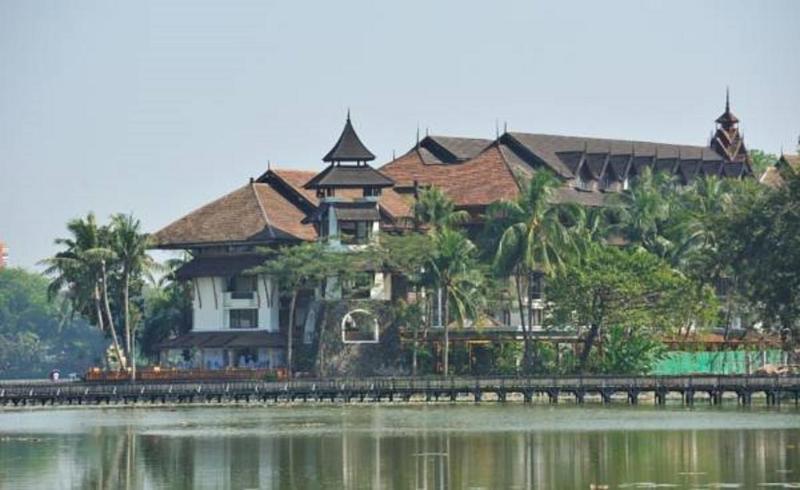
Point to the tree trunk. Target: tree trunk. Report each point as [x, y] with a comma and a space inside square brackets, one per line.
[526, 334]
[531, 351]
[289, 332]
[127, 319]
[123, 362]
[594, 329]
[446, 335]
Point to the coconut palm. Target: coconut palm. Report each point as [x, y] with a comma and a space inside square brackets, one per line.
[453, 267]
[643, 213]
[535, 241]
[129, 246]
[81, 272]
[436, 210]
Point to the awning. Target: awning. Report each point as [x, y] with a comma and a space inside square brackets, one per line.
[215, 340]
[218, 266]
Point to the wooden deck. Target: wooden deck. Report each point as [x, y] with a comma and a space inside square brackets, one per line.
[576, 389]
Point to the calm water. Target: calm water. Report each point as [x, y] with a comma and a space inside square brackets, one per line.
[460, 446]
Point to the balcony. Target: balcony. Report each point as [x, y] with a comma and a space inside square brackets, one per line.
[239, 299]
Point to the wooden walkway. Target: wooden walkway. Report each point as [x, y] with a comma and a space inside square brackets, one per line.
[577, 389]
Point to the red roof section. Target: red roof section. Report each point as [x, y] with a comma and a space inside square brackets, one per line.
[476, 182]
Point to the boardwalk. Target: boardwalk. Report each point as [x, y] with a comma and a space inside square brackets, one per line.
[575, 389]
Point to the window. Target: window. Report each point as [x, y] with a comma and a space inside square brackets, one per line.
[355, 232]
[244, 318]
[537, 285]
[359, 327]
[536, 317]
[582, 184]
[372, 191]
[242, 287]
[360, 286]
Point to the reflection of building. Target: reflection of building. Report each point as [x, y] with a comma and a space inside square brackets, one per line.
[3, 255]
[240, 318]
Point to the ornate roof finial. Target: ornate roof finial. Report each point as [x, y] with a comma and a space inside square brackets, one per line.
[727, 99]
[348, 113]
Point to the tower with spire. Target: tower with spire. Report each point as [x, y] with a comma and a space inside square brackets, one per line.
[727, 140]
[348, 190]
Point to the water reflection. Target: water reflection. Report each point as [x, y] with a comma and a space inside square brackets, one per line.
[444, 447]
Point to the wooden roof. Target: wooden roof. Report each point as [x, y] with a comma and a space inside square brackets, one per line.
[348, 147]
[349, 176]
[255, 213]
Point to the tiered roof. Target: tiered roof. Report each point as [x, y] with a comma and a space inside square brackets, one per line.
[279, 205]
[727, 140]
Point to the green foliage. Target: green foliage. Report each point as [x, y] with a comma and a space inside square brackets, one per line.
[762, 237]
[632, 289]
[167, 310]
[35, 336]
[629, 351]
[760, 161]
[436, 210]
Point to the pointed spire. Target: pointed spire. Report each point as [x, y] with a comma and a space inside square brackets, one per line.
[727, 120]
[727, 99]
[348, 147]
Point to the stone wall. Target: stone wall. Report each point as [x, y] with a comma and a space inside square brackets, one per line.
[335, 358]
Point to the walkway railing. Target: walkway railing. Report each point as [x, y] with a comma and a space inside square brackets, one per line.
[553, 388]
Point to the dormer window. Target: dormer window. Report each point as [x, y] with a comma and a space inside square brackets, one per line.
[582, 183]
[607, 182]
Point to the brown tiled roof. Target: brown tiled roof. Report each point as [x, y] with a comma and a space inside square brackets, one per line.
[254, 213]
[478, 181]
[392, 202]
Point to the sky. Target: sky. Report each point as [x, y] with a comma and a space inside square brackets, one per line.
[157, 107]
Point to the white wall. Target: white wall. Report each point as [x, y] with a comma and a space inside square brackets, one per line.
[207, 311]
[268, 312]
[382, 287]
[208, 304]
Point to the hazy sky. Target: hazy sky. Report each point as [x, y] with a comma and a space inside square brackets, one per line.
[158, 107]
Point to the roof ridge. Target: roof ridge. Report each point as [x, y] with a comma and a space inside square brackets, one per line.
[263, 211]
[496, 144]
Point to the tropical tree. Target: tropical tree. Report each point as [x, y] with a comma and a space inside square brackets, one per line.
[643, 213]
[299, 268]
[454, 269]
[762, 246]
[534, 241]
[435, 209]
[81, 271]
[629, 289]
[129, 246]
[408, 254]
[167, 307]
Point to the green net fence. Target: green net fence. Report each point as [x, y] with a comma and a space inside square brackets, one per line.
[722, 362]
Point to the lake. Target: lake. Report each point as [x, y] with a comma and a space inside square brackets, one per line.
[401, 446]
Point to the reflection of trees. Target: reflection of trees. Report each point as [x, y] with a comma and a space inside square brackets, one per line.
[356, 450]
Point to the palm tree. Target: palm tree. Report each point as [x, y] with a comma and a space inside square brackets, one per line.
[129, 245]
[436, 210]
[643, 213]
[81, 270]
[535, 241]
[453, 268]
